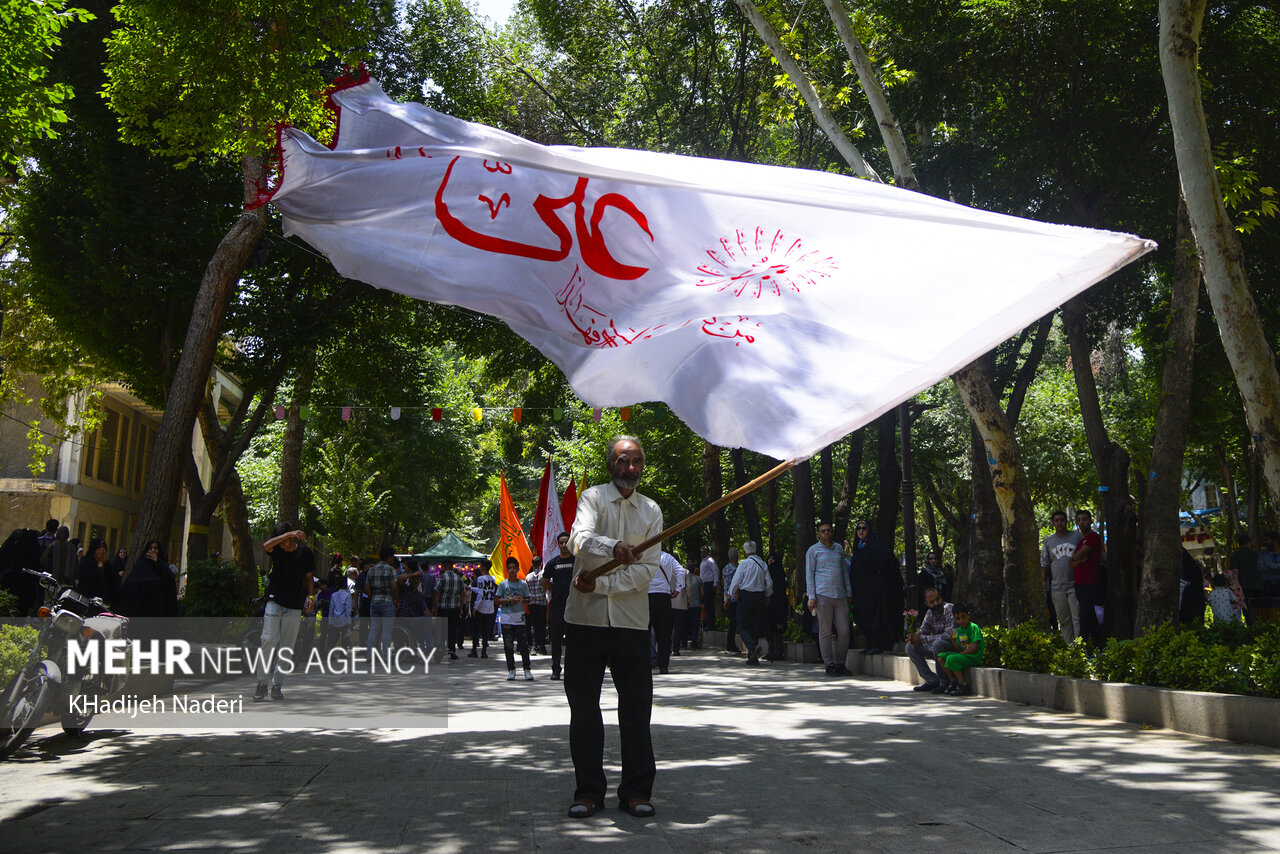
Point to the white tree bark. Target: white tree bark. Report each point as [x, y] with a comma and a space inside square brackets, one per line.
[826, 121]
[894, 140]
[1249, 352]
[1013, 494]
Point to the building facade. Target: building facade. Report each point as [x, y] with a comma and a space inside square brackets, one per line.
[93, 483]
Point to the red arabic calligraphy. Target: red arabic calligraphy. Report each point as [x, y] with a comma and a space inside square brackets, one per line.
[756, 265]
[733, 328]
[596, 328]
[591, 244]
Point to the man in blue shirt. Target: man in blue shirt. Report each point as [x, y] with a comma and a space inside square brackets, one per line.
[827, 583]
[511, 597]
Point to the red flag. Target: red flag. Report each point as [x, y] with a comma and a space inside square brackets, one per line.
[569, 505]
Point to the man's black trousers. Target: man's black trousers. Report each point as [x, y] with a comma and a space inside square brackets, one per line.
[660, 619]
[589, 650]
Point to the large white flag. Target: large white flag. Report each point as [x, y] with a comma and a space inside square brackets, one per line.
[773, 309]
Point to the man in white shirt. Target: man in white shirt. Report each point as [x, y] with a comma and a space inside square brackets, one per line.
[709, 572]
[752, 586]
[665, 586]
[607, 623]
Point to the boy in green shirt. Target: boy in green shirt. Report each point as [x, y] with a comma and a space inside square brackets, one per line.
[966, 637]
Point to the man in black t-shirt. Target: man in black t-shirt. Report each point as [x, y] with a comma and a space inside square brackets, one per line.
[556, 578]
[290, 594]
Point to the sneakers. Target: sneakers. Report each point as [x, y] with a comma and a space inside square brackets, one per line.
[925, 686]
[942, 688]
[276, 693]
[528, 675]
[260, 693]
[511, 676]
[961, 691]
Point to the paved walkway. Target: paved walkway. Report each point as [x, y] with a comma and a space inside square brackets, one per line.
[772, 759]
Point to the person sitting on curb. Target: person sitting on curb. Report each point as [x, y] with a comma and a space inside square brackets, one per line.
[966, 637]
[933, 637]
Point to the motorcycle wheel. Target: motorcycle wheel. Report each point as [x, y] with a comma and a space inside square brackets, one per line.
[401, 638]
[251, 640]
[24, 709]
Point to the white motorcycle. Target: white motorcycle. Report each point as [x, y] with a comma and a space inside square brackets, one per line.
[43, 682]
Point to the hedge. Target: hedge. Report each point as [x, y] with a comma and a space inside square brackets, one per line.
[1231, 659]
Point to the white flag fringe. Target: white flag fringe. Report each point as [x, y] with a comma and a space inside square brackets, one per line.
[772, 309]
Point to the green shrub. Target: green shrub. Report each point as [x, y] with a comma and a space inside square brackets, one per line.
[1027, 647]
[1114, 662]
[795, 634]
[1225, 659]
[213, 590]
[1072, 660]
[991, 650]
[9, 605]
[1233, 635]
[1148, 651]
[15, 646]
[1221, 669]
[1261, 659]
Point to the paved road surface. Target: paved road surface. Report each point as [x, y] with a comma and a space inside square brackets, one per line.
[776, 758]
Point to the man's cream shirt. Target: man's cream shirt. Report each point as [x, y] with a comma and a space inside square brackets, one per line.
[621, 597]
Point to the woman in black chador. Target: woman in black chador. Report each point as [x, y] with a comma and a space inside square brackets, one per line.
[876, 583]
[150, 590]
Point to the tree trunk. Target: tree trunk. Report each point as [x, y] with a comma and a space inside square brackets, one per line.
[894, 141]
[748, 502]
[852, 470]
[182, 399]
[980, 577]
[235, 510]
[1229, 504]
[827, 507]
[717, 522]
[290, 501]
[890, 492]
[1255, 489]
[1252, 359]
[771, 501]
[995, 430]
[1161, 546]
[802, 495]
[1112, 463]
[1024, 586]
[932, 519]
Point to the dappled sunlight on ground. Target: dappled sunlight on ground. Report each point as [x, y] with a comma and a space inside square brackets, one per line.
[775, 758]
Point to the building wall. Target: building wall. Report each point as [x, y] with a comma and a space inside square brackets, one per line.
[93, 483]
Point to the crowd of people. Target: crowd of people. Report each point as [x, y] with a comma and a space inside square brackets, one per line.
[147, 588]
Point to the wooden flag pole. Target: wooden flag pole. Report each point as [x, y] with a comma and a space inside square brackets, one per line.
[724, 500]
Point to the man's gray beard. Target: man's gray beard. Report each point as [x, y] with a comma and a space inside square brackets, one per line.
[626, 482]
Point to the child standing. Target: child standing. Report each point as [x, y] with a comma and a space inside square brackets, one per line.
[967, 638]
[1222, 601]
